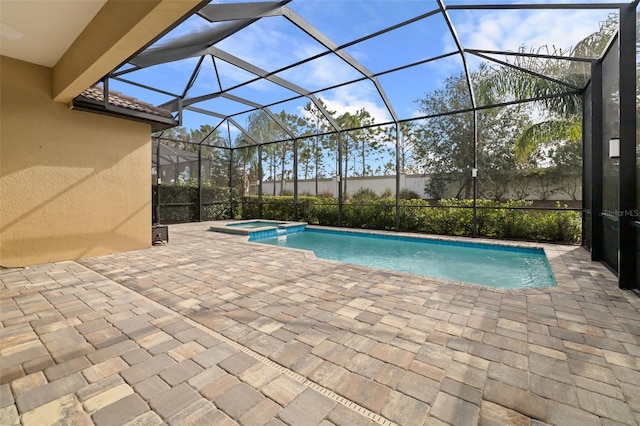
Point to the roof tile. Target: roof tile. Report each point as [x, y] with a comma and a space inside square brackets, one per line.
[96, 93]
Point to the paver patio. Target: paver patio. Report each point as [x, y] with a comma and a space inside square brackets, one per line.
[210, 329]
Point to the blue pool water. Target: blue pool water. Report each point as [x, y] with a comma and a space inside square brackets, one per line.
[491, 265]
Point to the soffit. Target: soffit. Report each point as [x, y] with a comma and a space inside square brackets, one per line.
[40, 32]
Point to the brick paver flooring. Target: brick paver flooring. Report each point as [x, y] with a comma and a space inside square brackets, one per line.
[213, 330]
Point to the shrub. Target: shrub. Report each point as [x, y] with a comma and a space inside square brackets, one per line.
[375, 214]
[326, 211]
[364, 194]
[277, 208]
[561, 226]
[179, 203]
[509, 220]
[216, 211]
[387, 193]
[408, 194]
[413, 215]
[515, 224]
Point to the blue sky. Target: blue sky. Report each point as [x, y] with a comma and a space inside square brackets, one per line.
[274, 42]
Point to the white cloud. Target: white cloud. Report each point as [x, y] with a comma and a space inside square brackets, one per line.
[508, 30]
[270, 44]
[274, 42]
[352, 104]
[264, 47]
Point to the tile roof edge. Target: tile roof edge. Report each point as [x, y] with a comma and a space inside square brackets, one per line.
[96, 94]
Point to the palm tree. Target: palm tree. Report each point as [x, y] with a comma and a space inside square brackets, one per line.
[562, 114]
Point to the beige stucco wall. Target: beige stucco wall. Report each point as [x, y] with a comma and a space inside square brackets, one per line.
[72, 184]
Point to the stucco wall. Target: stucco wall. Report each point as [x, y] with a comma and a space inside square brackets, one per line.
[72, 184]
[380, 184]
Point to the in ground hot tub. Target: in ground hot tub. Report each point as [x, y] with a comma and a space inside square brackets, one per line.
[258, 228]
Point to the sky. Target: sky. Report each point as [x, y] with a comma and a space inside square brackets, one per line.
[272, 43]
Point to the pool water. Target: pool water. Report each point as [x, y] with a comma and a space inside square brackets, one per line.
[254, 224]
[485, 264]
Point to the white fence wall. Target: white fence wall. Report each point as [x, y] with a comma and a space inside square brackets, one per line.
[379, 184]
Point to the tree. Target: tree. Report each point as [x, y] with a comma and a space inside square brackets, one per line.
[263, 130]
[567, 161]
[305, 158]
[559, 132]
[312, 152]
[358, 143]
[246, 154]
[277, 143]
[563, 113]
[294, 124]
[446, 149]
[409, 137]
[189, 140]
[497, 164]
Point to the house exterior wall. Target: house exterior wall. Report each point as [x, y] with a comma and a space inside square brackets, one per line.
[72, 184]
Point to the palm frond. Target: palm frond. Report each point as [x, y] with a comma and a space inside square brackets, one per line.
[545, 133]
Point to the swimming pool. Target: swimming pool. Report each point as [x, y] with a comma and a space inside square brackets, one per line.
[486, 264]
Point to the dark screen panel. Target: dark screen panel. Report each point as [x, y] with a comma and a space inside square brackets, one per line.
[587, 138]
[610, 166]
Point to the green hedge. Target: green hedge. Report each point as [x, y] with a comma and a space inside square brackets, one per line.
[509, 220]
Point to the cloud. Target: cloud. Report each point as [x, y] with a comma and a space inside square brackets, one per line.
[351, 99]
[277, 43]
[273, 42]
[508, 30]
[351, 104]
